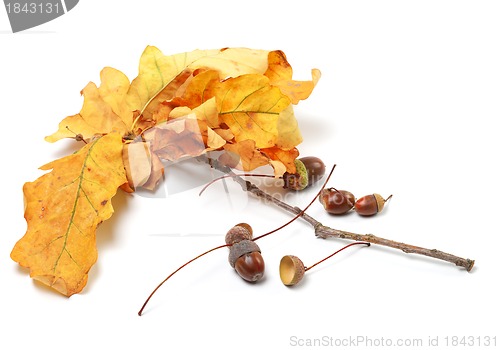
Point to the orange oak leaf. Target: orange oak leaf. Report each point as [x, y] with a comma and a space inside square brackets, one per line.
[280, 74]
[286, 157]
[196, 92]
[243, 155]
[64, 208]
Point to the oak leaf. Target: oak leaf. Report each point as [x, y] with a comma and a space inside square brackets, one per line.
[64, 208]
[251, 107]
[235, 100]
[242, 93]
[285, 157]
[243, 155]
[288, 131]
[100, 111]
[111, 107]
[280, 74]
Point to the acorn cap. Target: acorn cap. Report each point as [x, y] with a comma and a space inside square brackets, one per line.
[291, 270]
[380, 202]
[238, 233]
[241, 248]
[299, 180]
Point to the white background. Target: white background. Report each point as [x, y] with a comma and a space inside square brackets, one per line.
[408, 105]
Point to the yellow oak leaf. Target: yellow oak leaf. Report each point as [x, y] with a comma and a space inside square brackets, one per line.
[63, 209]
[289, 134]
[207, 111]
[101, 109]
[161, 76]
[232, 62]
[154, 85]
[251, 108]
[117, 103]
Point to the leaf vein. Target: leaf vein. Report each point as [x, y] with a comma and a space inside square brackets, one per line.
[73, 211]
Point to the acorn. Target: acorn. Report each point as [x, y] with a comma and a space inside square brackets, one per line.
[244, 254]
[335, 201]
[370, 204]
[309, 170]
[239, 232]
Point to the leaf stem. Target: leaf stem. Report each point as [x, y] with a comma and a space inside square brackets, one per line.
[323, 231]
[338, 251]
[173, 273]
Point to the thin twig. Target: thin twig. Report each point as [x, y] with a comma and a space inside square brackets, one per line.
[323, 231]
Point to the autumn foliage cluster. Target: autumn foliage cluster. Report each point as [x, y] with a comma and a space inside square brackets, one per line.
[236, 101]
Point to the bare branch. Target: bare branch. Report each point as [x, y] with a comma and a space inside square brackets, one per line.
[323, 231]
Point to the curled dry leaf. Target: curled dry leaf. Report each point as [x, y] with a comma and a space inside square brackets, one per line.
[280, 74]
[235, 100]
[137, 162]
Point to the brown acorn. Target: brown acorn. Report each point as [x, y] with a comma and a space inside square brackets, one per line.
[335, 201]
[370, 204]
[244, 254]
[309, 170]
